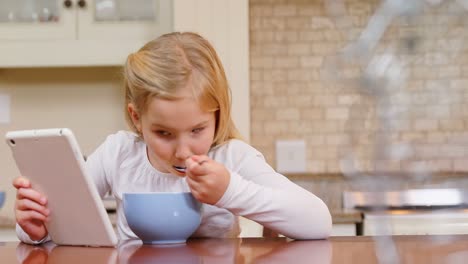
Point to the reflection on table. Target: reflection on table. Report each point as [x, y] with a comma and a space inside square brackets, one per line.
[258, 250]
[395, 249]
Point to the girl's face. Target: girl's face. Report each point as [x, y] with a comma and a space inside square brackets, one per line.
[173, 131]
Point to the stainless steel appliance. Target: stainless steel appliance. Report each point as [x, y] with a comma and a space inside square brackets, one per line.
[411, 212]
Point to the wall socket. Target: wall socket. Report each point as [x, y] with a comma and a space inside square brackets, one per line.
[290, 156]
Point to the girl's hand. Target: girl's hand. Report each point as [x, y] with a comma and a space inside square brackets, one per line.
[30, 209]
[207, 179]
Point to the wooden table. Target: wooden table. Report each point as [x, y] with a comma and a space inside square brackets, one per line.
[362, 250]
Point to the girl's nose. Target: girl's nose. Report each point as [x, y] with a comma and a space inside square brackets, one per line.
[182, 151]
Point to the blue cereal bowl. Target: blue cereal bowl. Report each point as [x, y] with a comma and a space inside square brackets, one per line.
[162, 218]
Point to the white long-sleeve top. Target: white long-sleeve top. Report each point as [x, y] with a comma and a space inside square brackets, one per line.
[255, 190]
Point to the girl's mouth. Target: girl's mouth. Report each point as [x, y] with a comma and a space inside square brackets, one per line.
[180, 169]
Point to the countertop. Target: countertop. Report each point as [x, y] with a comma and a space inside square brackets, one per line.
[367, 176]
[338, 217]
[336, 250]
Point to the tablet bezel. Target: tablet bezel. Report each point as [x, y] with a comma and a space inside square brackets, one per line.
[51, 159]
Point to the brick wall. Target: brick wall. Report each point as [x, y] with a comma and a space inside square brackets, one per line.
[299, 92]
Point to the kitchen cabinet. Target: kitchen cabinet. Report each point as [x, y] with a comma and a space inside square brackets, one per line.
[250, 228]
[344, 230]
[8, 234]
[78, 32]
[447, 221]
[78, 38]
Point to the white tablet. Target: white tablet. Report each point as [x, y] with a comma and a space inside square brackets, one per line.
[51, 159]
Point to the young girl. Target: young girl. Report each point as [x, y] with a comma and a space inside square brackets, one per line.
[183, 139]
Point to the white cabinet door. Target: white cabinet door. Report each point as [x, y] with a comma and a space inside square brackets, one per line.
[344, 230]
[36, 20]
[250, 228]
[49, 20]
[124, 20]
[8, 235]
[82, 34]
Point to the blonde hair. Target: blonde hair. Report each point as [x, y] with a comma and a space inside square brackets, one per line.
[167, 64]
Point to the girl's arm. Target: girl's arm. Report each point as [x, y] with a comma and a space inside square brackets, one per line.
[103, 162]
[256, 191]
[96, 170]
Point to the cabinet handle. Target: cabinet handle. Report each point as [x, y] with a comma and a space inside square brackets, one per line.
[67, 3]
[82, 3]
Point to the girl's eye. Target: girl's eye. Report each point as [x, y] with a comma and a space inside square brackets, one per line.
[198, 130]
[163, 133]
